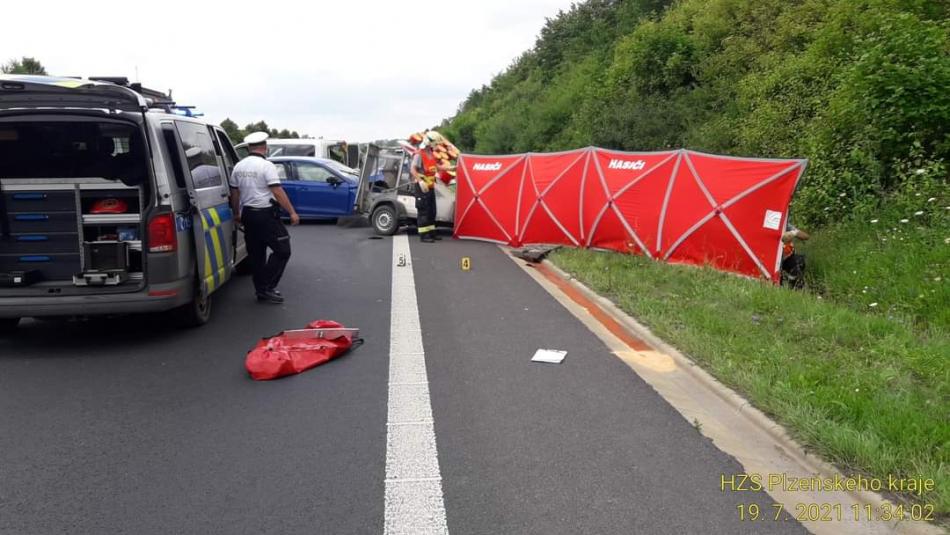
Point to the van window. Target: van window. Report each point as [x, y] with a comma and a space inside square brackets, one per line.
[199, 153]
[337, 152]
[230, 157]
[174, 154]
[296, 150]
[73, 149]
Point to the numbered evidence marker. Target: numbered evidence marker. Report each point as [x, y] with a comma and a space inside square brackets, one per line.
[466, 263]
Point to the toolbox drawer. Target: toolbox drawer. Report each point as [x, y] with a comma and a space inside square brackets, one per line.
[51, 266]
[41, 201]
[42, 223]
[40, 243]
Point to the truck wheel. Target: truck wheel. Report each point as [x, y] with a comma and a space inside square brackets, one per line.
[197, 312]
[8, 325]
[385, 220]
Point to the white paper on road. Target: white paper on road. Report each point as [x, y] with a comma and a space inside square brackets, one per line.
[551, 356]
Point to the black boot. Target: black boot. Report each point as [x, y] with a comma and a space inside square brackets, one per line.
[268, 296]
[426, 237]
[435, 235]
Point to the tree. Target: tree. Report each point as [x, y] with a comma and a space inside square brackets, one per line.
[237, 134]
[259, 126]
[233, 130]
[24, 66]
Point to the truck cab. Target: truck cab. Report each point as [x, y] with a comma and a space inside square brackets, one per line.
[387, 194]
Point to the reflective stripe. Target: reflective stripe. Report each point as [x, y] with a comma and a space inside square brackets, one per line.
[216, 240]
[215, 269]
[208, 280]
[71, 84]
[212, 259]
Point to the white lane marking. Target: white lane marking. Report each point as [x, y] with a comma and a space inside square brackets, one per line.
[414, 503]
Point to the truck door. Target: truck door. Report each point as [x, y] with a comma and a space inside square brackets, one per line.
[208, 191]
[366, 174]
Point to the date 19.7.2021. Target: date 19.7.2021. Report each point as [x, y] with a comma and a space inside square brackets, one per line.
[828, 512]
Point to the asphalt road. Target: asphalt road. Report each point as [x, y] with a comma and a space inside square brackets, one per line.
[132, 426]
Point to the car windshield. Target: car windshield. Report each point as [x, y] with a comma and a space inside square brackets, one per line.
[282, 149]
[339, 167]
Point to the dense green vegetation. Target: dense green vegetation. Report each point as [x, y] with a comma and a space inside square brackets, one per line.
[23, 65]
[237, 133]
[859, 87]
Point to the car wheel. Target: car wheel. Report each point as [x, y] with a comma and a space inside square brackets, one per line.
[197, 312]
[8, 325]
[385, 220]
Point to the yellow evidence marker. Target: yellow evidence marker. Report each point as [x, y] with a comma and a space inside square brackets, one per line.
[466, 263]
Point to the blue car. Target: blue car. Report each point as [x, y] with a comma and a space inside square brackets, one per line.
[317, 187]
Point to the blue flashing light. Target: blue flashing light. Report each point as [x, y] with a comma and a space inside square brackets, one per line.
[186, 111]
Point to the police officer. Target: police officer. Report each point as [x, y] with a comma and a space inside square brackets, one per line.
[256, 199]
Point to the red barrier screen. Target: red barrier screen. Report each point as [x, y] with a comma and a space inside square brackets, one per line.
[677, 206]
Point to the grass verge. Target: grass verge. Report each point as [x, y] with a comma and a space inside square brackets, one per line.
[869, 392]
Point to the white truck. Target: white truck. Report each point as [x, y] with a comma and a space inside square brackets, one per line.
[386, 194]
[331, 149]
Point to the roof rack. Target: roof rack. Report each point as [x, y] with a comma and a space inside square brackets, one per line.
[154, 98]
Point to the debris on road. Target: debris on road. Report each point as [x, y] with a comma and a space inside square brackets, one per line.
[294, 351]
[535, 254]
[550, 356]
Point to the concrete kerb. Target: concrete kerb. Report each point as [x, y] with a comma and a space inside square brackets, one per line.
[739, 403]
[785, 444]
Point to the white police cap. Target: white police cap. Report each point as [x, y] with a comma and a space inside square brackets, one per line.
[256, 138]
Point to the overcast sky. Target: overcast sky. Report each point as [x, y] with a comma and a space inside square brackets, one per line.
[356, 69]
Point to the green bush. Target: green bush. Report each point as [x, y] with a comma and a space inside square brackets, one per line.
[854, 86]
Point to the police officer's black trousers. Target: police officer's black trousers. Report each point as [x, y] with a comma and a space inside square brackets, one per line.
[262, 230]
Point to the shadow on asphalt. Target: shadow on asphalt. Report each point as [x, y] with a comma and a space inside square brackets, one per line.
[85, 333]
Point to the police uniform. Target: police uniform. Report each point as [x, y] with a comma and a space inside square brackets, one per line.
[252, 177]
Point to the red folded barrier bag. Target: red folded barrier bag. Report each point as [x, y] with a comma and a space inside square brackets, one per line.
[292, 352]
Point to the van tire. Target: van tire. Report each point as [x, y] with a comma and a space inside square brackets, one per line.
[385, 220]
[8, 325]
[195, 313]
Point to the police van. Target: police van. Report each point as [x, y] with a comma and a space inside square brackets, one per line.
[112, 201]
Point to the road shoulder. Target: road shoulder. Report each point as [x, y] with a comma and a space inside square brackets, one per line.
[760, 445]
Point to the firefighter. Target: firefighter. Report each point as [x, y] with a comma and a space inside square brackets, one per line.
[424, 170]
[256, 199]
[793, 263]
